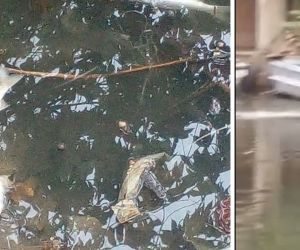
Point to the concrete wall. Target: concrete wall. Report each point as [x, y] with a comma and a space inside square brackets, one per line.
[245, 24]
[259, 22]
[270, 15]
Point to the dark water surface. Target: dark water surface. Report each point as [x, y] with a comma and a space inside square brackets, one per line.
[267, 174]
[69, 192]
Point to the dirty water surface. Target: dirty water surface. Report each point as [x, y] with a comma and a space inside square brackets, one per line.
[63, 140]
[267, 173]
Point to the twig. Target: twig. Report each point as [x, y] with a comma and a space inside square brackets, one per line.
[81, 76]
[74, 104]
[95, 76]
[149, 67]
[144, 89]
[208, 134]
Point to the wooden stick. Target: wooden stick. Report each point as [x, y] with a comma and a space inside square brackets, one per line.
[95, 76]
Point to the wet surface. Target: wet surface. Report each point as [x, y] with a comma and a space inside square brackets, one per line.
[267, 173]
[64, 141]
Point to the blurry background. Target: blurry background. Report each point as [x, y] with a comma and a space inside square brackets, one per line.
[267, 128]
[267, 171]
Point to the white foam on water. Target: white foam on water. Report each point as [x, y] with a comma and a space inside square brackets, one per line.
[253, 115]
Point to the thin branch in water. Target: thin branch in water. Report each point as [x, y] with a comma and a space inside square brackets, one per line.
[144, 88]
[78, 77]
[87, 76]
[208, 134]
[74, 104]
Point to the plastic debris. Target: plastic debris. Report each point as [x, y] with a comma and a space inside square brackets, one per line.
[139, 174]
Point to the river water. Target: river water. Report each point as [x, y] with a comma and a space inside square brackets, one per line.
[62, 138]
[267, 173]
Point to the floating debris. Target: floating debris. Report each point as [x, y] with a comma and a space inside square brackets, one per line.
[126, 210]
[222, 215]
[23, 190]
[124, 127]
[6, 183]
[215, 107]
[220, 52]
[138, 175]
[52, 244]
[6, 82]
[61, 146]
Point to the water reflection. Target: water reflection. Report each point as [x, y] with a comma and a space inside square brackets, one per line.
[67, 192]
[267, 158]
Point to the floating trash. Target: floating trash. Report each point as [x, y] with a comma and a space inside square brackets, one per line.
[222, 215]
[53, 243]
[138, 175]
[215, 107]
[6, 82]
[61, 146]
[220, 52]
[6, 183]
[124, 127]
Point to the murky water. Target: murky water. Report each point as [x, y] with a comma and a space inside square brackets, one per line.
[63, 141]
[267, 171]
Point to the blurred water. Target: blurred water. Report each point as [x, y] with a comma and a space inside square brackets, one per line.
[74, 188]
[267, 171]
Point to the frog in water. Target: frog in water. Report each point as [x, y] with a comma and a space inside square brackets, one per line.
[139, 174]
